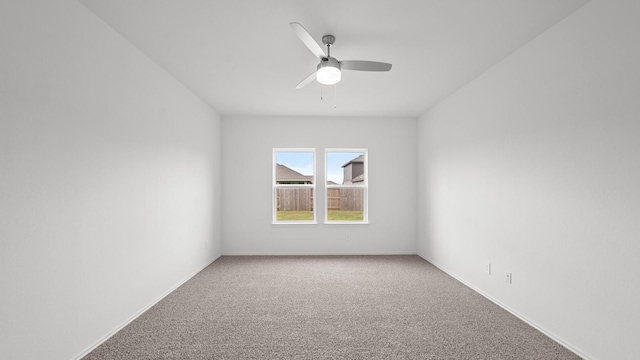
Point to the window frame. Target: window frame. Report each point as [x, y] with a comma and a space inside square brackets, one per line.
[275, 186]
[364, 186]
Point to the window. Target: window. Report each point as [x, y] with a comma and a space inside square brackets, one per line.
[294, 185]
[346, 184]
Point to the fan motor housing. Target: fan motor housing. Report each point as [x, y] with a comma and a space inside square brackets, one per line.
[329, 61]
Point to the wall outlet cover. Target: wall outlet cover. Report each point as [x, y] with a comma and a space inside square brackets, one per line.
[507, 278]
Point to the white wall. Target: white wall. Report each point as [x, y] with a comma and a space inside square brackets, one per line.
[246, 179]
[535, 167]
[109, 180]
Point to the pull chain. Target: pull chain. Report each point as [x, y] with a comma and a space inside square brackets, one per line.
[335, 95]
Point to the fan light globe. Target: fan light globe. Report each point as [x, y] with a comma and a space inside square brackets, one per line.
[328, 75]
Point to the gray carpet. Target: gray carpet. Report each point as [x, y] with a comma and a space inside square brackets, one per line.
[326, 307]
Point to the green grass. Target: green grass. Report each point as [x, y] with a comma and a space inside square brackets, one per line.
[295, 215]
[332, 215]
[337, 215]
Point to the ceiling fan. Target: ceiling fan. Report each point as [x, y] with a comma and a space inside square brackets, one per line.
[329, 69]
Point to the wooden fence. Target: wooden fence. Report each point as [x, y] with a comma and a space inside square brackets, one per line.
[345, 199]
[294, 199]
[348, 199]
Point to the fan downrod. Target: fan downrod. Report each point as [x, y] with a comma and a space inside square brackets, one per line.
[328, 40]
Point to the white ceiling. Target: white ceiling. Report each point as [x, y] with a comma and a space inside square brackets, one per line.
[242, 57]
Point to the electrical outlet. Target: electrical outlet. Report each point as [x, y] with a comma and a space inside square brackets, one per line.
[507, 278]
[487, 268]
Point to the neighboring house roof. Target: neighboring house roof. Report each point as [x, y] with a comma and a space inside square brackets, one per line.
[285, 174]
[359, 159]
[331, 182]
[359, 178]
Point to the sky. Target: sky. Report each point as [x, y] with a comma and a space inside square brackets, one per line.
[302, 162]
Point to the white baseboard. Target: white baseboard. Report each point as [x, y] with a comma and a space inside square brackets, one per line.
[232, 253]
[488, 297]
[135, 316]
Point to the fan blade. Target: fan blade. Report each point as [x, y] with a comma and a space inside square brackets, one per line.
[307, 39]
[306, 80]
[364, 65]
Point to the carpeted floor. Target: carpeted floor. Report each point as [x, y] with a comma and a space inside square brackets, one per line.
[326, 307]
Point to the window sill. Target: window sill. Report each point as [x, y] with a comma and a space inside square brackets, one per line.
[346, 223]
[295, 223]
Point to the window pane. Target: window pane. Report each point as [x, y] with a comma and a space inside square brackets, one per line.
[345, 204]
[346, 185]
[294, 204]
[345, 168]
[293, 197]
[294, 167]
